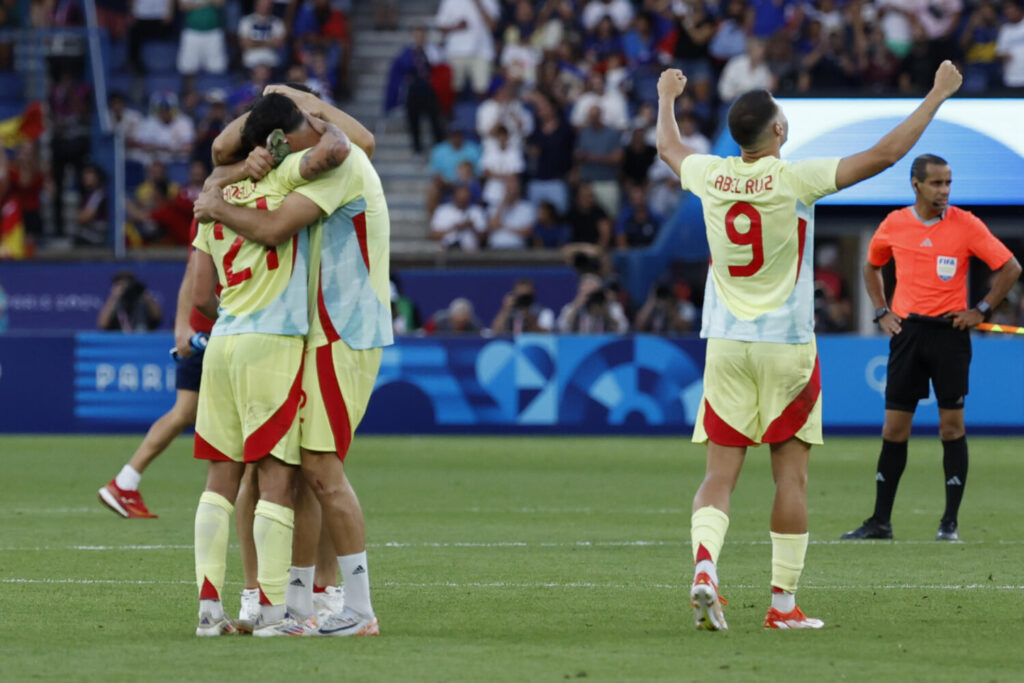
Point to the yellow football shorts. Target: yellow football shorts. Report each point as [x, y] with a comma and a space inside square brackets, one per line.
[336, 386]
[759, 392]
[250, 400]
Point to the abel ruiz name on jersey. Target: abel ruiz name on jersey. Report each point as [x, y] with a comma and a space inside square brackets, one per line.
[726, 183]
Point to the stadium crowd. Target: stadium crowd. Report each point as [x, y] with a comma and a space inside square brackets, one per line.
[540, 113]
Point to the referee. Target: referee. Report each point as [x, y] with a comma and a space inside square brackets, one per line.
[932, 243]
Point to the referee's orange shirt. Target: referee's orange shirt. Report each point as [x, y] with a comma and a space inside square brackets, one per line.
[932, 260]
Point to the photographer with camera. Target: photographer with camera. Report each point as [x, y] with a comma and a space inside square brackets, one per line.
[520, 311]
[662, 313]
[593, 311]
[130, 307]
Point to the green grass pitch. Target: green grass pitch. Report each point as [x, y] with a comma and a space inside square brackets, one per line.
[525, 559]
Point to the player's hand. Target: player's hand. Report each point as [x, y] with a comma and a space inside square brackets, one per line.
[671, 83]
[182, 346]
[259, 163]
[206, 204]
[891, 324]
[947, 79]
[965, 320]
[316, 123]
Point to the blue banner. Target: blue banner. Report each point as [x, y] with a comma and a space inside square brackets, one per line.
[96, 382]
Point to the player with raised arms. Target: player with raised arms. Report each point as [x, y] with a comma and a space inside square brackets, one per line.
[761, 376]
[351, 323]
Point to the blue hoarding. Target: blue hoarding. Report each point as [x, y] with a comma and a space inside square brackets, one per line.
[96, 382]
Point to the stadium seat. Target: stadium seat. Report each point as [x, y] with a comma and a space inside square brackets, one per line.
[160, 57]
[464, 117]
[11, 88]
[118, 55]
[208, 82]
[134, 174]
[177, 172]
[123, 83]
[155, 82]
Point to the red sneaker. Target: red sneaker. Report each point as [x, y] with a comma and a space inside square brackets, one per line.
[790, 620]
[125, 503]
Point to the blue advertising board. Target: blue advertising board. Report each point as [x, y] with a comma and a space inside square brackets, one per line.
[109, 382]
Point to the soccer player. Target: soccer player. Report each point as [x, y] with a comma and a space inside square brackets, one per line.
[932, 244]
[122, 493]
[252, 384]
[761, 376]
[351, 324]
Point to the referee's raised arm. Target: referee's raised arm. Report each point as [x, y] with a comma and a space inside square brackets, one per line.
[897, 142]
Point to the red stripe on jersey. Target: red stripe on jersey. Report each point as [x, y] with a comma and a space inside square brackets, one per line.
[334, 402]
[261, 204]
[801, 237]
[208, 592]
[795, 415]
[218, 231]
[199, 322]
[321, 311]
[359, 221]
[263, 440]
[720, 432]
[203, 450]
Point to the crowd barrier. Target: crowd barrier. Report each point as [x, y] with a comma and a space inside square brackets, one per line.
[108, 382]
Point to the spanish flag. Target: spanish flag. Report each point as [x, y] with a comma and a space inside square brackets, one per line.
[28, 125]
[12, 232]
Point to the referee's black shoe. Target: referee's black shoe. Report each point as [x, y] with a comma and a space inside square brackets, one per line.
[871, 528]
[947, 532]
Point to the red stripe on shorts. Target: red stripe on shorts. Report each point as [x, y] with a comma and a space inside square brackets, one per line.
[334, 402]
[795, 415]
[263, 440]
[203, 450]
[720, 432]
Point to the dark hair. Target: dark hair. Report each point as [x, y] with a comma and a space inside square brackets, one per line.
[267, 114]
[919, 169]
[749, 115]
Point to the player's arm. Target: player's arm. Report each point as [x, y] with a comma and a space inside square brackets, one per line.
[359, 134]
[222, 176]
[873, 282]
[669, 142]
[204, 289]
[183, 312]
[899, 140]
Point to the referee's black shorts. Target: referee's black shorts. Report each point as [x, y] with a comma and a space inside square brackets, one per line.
[927, 351]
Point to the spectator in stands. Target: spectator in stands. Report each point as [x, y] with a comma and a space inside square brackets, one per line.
[511, 221]
[550, 155]
[202, 46]
[637, 226]
[590, 223]
[28, 179]
[662, 313]
[444, 163]
[768, 17]
[978, 42]
[211, 125]
[319, 27]
[459, 224]
[549, 232]
[664, 190]
[619, 11]
[832, 65]
[92, 228]
[748, 71]
[560, 81]
[555, 20]
[166, 134]
[599, 155]
[937, 20]
[198, 170]
[592, 310]
[124, 119]
[694, 29]
[782, 63]
[500, 161]
[505, 109]
[165, 220]
[521, 313]
[130, 306]
[833, 311]
[466, 175]
[458, 318]
[261, 36]
[611, 103]
[405, 319]
[602, 43]
[152, 20]
[519, 59]
[71, 120]
[914, 77]
[410, 78]
[469, 45]
[637, 158]
[1010, 44]
[730, 39]
[878, 67]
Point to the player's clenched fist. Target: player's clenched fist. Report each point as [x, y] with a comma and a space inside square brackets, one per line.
[671, 83]
[947, 79]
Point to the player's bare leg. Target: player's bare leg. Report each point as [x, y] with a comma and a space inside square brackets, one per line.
[272, 531]
[789, 534]
[891, 462]
[299, 596]
[245, 507]
[328, 596]
[122, 493]
[708, 526]
[343, 515]
[954, 469]
[212, 527]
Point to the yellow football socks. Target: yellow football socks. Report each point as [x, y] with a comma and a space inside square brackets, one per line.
[788, 551]
[272, 532]
[708, 526]
[213, 520]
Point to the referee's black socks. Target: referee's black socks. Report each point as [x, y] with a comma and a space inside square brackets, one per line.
[891, 463]
[954, 464]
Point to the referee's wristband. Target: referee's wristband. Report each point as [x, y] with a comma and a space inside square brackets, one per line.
[880, 313]
[985, 308]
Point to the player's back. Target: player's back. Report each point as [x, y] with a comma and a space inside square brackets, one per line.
[759, 219]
